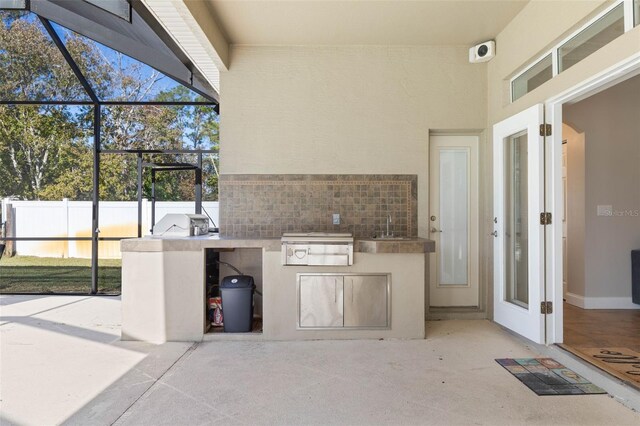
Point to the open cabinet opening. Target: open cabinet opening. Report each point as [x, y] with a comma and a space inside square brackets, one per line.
[243, 305]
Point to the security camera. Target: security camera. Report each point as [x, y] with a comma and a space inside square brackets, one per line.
[482, 52]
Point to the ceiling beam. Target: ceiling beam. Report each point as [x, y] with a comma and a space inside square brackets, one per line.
[193, 27]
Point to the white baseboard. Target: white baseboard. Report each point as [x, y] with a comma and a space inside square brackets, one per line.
[574, 299]
[600, 302]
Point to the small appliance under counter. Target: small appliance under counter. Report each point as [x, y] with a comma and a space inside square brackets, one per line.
[379, 293]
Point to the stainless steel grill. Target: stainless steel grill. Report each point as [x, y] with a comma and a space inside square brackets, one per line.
[317, 248]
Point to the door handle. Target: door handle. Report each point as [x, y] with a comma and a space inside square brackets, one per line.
[351, 279]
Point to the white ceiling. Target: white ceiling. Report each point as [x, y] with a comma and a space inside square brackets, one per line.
[369, 22]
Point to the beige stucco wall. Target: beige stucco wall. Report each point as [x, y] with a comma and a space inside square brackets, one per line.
[343, 110]
[611, 129]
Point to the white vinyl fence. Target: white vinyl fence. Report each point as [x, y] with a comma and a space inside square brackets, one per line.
[73, 219]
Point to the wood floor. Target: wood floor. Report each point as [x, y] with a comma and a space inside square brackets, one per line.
[606, 338]
[596, 328]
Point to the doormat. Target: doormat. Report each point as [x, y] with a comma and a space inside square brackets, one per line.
[623, 363]
[546, 376]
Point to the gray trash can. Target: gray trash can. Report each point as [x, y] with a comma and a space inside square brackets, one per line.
[635, 276]
[237, 303]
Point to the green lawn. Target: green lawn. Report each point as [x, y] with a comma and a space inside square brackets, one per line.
[29, 274]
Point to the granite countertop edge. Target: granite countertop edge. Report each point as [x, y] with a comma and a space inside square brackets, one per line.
[361, 245]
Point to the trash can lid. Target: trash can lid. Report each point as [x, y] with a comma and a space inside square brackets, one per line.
[237, 281]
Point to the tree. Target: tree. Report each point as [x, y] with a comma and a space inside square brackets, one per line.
[46, 151]
[35, 148]
[31, 66]
[34, 140]
[199, 126]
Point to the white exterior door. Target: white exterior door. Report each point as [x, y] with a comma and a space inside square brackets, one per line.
[518, 164]
[453, 221]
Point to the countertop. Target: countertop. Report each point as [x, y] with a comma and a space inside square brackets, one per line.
[152, 244]
[364, 245]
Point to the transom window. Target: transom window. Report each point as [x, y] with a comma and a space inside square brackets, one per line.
[613, 22]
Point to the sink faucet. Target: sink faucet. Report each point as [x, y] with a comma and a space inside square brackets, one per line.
[388, 234]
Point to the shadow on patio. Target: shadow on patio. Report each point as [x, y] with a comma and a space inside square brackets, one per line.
[63, 356]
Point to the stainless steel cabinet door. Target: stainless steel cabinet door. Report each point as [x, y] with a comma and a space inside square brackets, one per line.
[366, 301]
[321, 301]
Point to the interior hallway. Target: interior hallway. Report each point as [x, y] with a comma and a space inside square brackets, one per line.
[63, 356]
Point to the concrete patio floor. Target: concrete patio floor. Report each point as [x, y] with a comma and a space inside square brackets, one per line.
[61, 361]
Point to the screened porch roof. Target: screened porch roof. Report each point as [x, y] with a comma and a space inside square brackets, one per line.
[134, 38]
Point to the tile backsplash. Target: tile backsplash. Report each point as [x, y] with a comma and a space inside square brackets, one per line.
[264, 206]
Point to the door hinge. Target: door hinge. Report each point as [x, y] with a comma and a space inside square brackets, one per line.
[545, 130]
[546, 307]
[545, 218]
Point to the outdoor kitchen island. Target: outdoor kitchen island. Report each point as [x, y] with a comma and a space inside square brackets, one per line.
[164, 296]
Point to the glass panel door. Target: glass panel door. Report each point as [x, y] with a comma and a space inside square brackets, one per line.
[453, 220]
[518, 178]
[516, 220]
[454, 216]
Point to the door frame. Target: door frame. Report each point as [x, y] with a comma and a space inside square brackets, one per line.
[479, 135]
[623, 70]
[484, 202]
